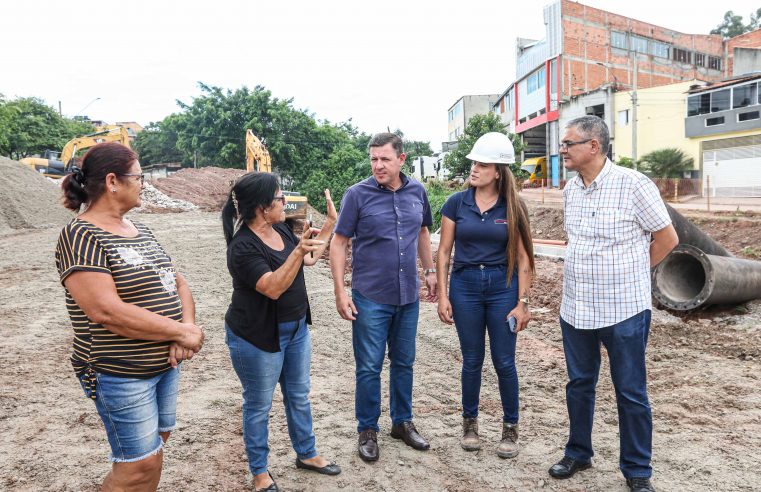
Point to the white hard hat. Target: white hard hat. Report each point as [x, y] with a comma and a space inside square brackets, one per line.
[493, 148]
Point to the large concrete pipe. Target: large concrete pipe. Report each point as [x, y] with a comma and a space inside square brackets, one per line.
[690, 234]
[688, 278]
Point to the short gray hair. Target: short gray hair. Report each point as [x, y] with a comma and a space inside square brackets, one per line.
[381, 139]
[592, 127]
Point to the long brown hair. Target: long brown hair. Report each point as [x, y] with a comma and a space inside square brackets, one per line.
[517, 220]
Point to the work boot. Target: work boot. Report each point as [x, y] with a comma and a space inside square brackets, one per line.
[470, 440]
[508, 447]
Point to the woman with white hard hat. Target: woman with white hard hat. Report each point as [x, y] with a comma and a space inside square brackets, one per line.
[490, 282]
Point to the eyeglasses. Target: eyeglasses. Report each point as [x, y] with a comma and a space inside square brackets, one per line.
[281, 198]
[570, 143]
[142, 177]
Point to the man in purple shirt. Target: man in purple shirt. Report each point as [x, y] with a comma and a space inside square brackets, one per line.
[387, 217]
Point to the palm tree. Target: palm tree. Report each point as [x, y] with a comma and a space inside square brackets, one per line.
[666, 163]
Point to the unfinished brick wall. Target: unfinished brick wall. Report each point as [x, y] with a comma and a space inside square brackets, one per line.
[587, 38]
[747, 40]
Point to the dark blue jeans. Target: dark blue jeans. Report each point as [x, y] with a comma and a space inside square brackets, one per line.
[625, 343]
[376, 326]
[480, 301]
[259, 372]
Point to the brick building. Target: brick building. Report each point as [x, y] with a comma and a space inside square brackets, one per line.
[591, 51]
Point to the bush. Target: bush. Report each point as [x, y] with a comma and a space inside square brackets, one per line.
[438, 193]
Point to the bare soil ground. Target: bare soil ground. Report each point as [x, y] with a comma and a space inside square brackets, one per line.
[705, 375]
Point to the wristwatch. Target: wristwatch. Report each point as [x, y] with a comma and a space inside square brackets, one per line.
[429, 270]
[524, 300]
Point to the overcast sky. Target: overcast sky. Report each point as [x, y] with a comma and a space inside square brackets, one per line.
[395, 64]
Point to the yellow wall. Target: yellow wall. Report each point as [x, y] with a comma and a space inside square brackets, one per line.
[660, 121]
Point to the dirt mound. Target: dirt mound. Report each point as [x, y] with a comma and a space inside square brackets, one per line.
[206, 187]
[28, 200]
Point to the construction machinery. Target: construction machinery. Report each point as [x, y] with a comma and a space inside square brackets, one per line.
[537, 169]
[58, 164]
[258, 159]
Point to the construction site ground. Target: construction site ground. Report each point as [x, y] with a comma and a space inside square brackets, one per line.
[704, 380]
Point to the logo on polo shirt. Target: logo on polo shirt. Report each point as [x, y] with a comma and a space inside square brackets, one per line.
[500, 221]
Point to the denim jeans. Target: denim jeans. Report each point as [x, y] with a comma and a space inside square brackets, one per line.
[480, 301]
[134, 411]
[625, 343]
[259, 372]
[377, 325]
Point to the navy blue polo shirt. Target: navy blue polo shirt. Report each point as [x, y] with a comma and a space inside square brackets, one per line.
[384, 227]
[480, 239]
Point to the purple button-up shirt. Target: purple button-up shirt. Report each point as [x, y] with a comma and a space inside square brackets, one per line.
[384, 227]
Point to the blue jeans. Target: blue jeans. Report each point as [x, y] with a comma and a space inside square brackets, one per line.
[377, 325]
[259, 372]
[625, 343]
[480, 301]
[134, 411]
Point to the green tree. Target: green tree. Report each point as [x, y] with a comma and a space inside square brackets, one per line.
[29, 126]
[733, 25]
[624, 161]
[157, 143]
[345, 166]
[666, 163]
[478, 125]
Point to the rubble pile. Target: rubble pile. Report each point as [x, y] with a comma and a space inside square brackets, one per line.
[156, 201]
[207, 187]
[28, 200]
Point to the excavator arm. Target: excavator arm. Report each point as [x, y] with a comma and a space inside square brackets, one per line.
[80, 143]
[257, 156]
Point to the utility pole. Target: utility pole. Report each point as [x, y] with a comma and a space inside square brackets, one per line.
[634, 112]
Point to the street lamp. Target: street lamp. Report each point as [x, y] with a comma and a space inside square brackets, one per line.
[86, 106]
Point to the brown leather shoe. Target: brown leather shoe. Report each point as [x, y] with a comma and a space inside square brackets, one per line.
[368, 445]
[406, 432]
[470, 440]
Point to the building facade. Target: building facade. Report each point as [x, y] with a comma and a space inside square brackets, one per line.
[587, 54]
[460, 113]
[723, 120]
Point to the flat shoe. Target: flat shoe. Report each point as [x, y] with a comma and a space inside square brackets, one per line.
[271, 487]
[329, 469]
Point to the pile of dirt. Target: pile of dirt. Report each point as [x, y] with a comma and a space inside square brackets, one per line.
[155, 201]
[206, 187]
[28, 200]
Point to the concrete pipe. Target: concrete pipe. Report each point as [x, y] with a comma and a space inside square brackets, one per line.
[689, 233]
[688, 279]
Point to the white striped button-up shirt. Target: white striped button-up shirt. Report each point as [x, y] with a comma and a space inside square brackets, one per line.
[607, 263]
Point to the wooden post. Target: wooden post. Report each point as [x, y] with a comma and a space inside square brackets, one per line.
[708, 192]
[676, 190]
[542, 182]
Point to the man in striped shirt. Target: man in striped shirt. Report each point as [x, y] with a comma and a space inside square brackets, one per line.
[618, 228]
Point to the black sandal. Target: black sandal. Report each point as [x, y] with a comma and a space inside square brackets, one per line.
[329, 469]
[271, 487]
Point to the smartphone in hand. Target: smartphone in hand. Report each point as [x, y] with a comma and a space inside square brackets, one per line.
[512, 323]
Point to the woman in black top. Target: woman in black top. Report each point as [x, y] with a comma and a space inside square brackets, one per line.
[266, 323]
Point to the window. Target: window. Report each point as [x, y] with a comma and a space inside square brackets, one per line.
[715, 121]
[683, 56]
[745, 95]
[639, 44]
[700, 104]
[659, 49]
[720, 100]
[700, 59]
[749, 116]
[623, 117]
[536, 81]
[618, 40]
[714, 63]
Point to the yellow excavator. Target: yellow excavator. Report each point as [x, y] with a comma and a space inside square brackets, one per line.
[58, 164]
[258, 159]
